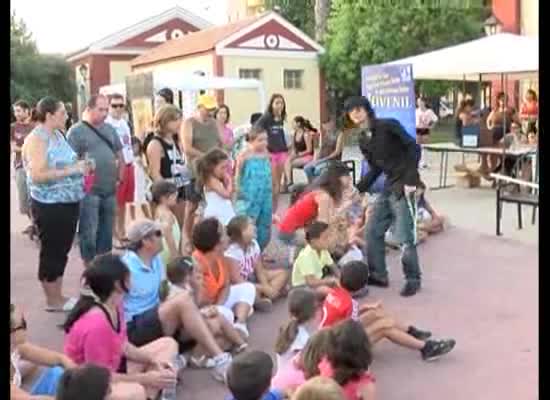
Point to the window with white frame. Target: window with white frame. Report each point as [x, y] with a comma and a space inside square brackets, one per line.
[250, 73]
[293, 78]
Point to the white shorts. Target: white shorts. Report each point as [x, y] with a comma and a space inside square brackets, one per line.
[240, 293]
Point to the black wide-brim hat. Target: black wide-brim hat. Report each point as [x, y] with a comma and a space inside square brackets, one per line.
[357, 102]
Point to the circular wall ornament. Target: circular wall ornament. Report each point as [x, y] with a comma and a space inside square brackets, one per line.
[176, 34]
[271, 41]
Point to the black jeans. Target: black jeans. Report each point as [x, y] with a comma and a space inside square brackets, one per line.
[400, 210]
[56, 224]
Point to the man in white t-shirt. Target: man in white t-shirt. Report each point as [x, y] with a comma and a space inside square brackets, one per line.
[126, 187]
[425, 120]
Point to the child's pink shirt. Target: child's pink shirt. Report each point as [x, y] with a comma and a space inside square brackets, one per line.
[288, 376]
[92, 339]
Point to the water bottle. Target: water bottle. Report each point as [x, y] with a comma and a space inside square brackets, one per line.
[170, 392]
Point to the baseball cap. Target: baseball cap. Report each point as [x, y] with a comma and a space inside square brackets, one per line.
[357, 101]
[139, 230]
[207, 101]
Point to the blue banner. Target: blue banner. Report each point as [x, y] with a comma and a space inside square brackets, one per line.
[390, 90]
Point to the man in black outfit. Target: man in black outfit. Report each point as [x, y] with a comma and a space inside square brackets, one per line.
[390, 150]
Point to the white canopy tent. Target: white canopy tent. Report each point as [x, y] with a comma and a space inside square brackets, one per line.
[488, 57]
[177, 80]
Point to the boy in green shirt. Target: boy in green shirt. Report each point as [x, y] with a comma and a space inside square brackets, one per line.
[314, 266]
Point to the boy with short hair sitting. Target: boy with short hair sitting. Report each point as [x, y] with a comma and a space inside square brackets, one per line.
[339, 306]
[314, 267]
[249, 377]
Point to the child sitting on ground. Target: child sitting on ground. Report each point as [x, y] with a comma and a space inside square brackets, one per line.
[319, 388]
[314, 266]
[94, 379]
[348, 360]
[305, 364]
[429, 220]
[294, 334]
[245, 263]
[184, 276]
[249, 377]
[165, 197]
[340, 306]
[346, 229]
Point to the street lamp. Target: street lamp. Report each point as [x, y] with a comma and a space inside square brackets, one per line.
[492, 26]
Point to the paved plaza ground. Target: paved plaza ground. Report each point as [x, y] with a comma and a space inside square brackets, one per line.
[478, 288]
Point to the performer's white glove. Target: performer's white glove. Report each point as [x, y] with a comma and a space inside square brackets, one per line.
[409, 189]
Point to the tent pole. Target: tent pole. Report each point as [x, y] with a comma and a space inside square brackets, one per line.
[479, 91]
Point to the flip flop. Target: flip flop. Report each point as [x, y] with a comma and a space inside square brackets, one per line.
[68, 306]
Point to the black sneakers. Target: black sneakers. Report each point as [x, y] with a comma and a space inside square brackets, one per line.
[435, 349]
[410, 289]
[418, 334]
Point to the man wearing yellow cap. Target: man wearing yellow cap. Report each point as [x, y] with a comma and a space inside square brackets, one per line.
[199, 134]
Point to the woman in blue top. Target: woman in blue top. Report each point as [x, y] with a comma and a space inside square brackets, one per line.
[55, 182]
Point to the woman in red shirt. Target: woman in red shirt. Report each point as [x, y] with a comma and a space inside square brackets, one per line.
[529, 110]
[319, 202]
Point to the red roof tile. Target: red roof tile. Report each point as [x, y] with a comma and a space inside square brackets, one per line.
[192, 43]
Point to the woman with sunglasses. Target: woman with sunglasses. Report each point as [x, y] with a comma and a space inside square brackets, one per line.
[46, 385]
[96, 333]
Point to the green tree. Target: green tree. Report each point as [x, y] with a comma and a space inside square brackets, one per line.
[34, 75]
[363, 32]
[300, 13]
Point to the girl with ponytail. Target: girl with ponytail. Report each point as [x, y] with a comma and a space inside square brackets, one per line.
[96, 333]
[294, 334]
[216, 184]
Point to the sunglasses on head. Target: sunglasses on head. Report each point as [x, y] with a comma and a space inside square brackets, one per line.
[21, 327]
[117, 105]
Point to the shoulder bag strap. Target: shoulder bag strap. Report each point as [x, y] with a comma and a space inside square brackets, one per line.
[107, 141]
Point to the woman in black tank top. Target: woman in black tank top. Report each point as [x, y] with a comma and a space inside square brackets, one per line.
[164, 158]
[302, 151]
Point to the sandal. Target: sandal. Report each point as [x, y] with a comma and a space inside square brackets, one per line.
[67, 307]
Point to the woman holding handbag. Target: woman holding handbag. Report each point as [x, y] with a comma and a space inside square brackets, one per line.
[55, 181]
[164, 157]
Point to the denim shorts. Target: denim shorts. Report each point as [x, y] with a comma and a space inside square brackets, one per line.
[287, 238]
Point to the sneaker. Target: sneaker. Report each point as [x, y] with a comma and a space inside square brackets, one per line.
[410, 289]
[380, 282]
[418, 334]
[242, 329]
[201, 362]
[264, 305]
[435, 349]
[240, 349]
[182, 362]
[222, 363]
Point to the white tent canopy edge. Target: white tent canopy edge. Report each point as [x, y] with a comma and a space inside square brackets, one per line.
[179, 81]
[505, 53]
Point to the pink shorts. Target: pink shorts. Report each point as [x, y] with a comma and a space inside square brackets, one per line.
[279, 159]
